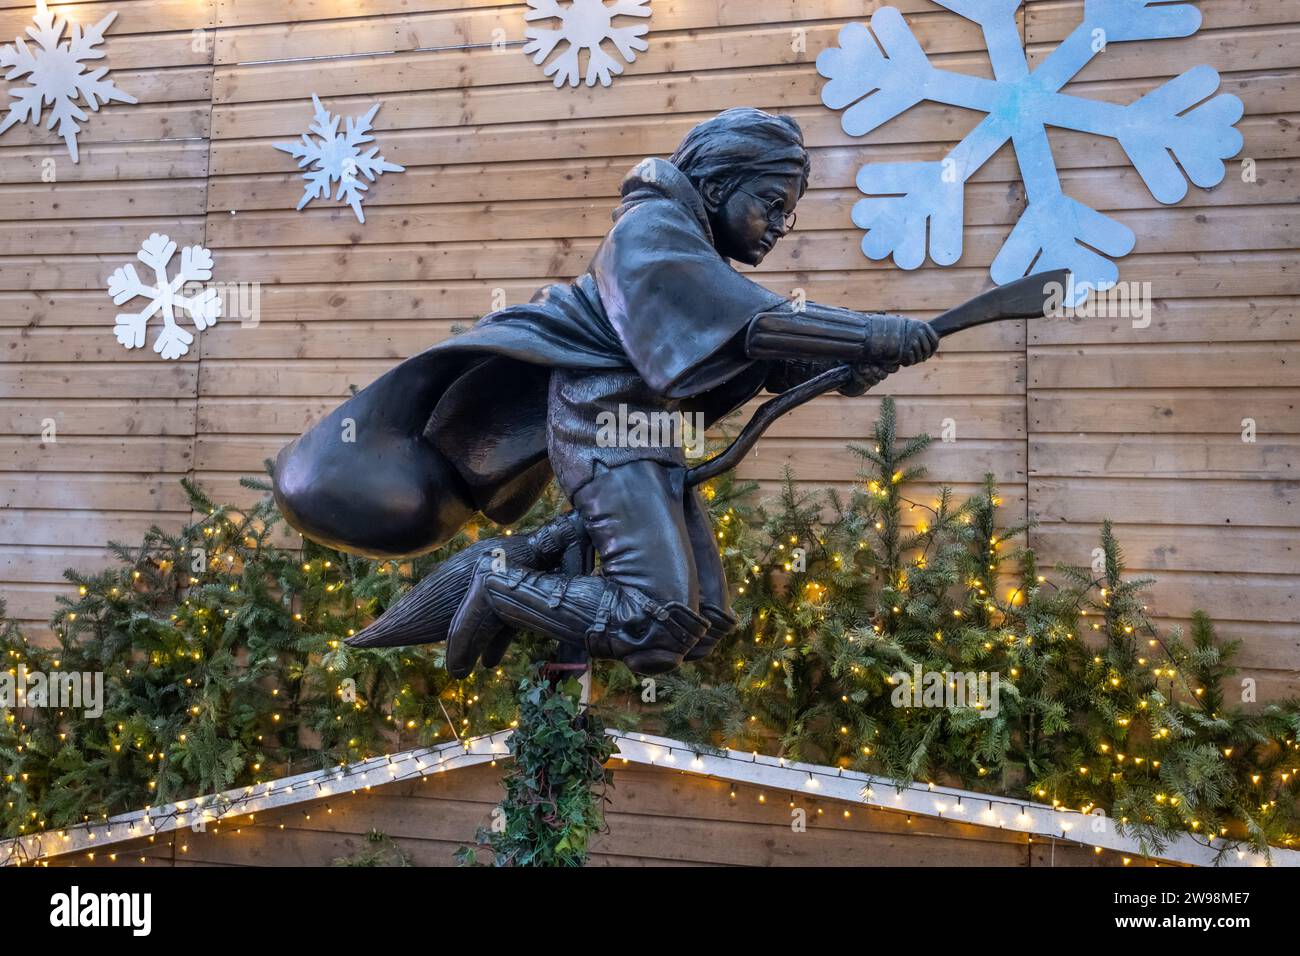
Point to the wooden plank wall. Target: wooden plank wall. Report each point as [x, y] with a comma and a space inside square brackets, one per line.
[655, 818]
[124, 420]
[509, 185]
[1144, 425]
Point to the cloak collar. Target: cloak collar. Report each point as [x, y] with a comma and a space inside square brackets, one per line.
[655, 178]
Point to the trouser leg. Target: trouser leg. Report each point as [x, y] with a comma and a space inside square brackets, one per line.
[715, 601]
[641, 609]
[635, 516]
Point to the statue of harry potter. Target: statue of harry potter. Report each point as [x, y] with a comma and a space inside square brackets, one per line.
[660, 323]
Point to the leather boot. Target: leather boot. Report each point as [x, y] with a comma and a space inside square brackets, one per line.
[549, 545]
[612, 622]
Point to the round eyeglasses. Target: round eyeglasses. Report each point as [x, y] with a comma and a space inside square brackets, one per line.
[775, 209]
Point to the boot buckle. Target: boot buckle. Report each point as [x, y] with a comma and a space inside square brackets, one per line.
[598, 626]
[557, 596]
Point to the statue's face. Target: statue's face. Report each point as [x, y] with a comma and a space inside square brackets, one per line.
[747, 224]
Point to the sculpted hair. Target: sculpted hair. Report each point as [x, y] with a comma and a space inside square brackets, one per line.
[740, 144]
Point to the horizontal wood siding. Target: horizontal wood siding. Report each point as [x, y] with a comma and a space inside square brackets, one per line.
[655, 818]
[509, 185]
[1144, 425]
[124, 420]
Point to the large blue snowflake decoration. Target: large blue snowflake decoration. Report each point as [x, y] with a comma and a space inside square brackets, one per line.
[912, 206]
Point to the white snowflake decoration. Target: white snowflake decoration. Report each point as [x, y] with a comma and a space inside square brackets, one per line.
[1055, 230]
[164, 295]
[337, 158]
[585, 25]
[57, 76]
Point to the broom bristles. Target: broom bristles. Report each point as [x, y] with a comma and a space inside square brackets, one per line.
[423, 615]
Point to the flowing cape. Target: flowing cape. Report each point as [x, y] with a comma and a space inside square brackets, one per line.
[400, 467]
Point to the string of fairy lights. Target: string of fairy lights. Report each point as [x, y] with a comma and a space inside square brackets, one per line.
[1162, 670]
[222, 814]
[350, 778]
[231, 802]
[249, 800]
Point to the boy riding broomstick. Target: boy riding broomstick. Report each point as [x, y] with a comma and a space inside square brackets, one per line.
[660, 325]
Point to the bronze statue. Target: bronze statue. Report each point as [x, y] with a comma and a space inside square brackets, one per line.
[660, 326]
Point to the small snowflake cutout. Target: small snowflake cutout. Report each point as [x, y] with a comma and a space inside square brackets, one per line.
[1178, 132]
[164, 295]
[585, 25]
[337, 158]
[56, 76]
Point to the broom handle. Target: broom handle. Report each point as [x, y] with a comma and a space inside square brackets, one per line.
[1023, 299]
[767, 413]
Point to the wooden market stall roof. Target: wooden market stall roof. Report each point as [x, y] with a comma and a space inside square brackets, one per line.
[963, 809]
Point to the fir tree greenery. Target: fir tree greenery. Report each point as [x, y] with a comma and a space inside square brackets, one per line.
[224, 664]
[841, 597]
